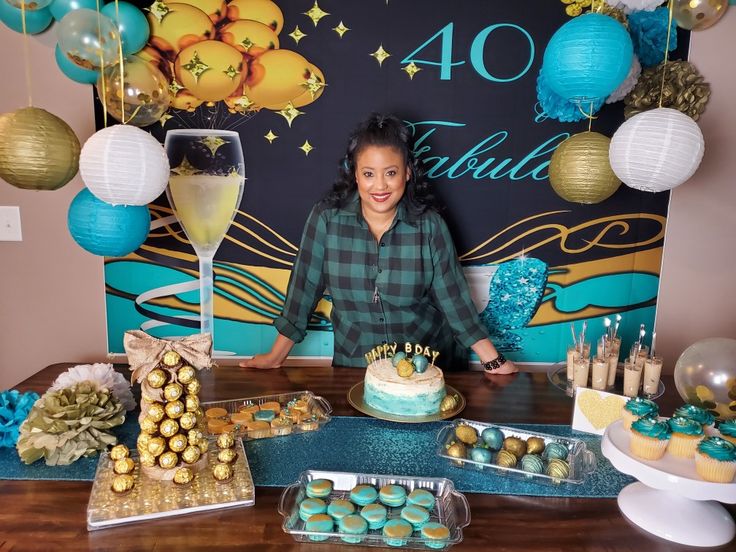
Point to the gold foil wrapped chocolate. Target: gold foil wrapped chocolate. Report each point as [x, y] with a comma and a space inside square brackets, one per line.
[222, 472]
[194, 387]
[174, 409]
[191, 454]
[505, 459]
[559, 469]
[191, 402]
[178, 442]
[188, 420]
[405, 368]
[195, 436]
[171, 359]
[448, 403]
[225, 440]
[122, 483]
[156, 412]
[534, 445]
[183, 476]
[185, 374]
[156, 446]
[148, 426]
[168, 428]
[118, 452]
[146, 458]
[124, 465]
[156, 378]
[143, 440]
[227, 456]
[168, 460]
[456, 450]
[173, 391]
[467, 434]
[515, 446]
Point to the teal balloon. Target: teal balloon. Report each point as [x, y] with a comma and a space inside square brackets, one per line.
[36, 20]
[132, 24]
[59, 8]
[74, 71]
[104, 229]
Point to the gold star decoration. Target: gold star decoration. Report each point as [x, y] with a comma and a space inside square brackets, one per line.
[313, 84]
[290, 113]
[185, 169]
[174, 87]
[247, 43]
[270, 136]
[411, 70]
[196, 66]
[381, 55]
[315, 13]
[159, 10]
[165, 119]
[213, 143]
[306, 147]
[297, 34]
[244, 103]
[231, 72]
[341, 29]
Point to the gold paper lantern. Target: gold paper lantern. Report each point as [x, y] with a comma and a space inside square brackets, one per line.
[38, 151]
[580, 171]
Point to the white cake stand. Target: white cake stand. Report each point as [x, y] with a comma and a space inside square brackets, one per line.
[670, 500]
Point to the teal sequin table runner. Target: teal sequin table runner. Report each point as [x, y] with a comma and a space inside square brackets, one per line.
[363, 445]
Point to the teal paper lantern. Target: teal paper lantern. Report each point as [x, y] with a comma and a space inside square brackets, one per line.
[588, 58]
[104, 229]
[132, 25]
[74, 71]
[36, 20]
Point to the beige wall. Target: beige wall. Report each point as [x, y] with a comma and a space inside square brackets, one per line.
[52, 292]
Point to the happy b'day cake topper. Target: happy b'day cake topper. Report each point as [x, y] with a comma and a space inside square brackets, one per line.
[412, 358]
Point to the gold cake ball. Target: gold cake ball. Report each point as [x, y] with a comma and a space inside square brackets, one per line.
[146, 458]
[123, 483]
[227, 456]
[204, 445]
[192, 403]
[178, 442]
[188, 420]
[534, 445]
[505, 459]
[191, 454]
[194, 387]
[467, 434]
[156, 412]
[174, 409]
[185, 374]
[156, 378]
[171, 359]
[183, 476]
[124, 465]
[173, 391]
[405, 368]
[149, 426]
[168, 460]
[456, 450]
[118, 452]
[168, 428]
[448, 403]
[156, 446]
[195, 436]
[515, 446]
[225, 440]
[222, 472]
[559, 469]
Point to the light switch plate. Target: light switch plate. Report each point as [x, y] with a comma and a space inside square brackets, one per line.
[10, 224]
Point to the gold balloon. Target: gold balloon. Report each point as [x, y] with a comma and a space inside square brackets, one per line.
[182, 26]
[185, 100]
[38, 151]
[697, 15]
[211, 70]
[249, 37]
[140, 97]
[276, 78]
[263, 11]
[314, 85]
[580, 171]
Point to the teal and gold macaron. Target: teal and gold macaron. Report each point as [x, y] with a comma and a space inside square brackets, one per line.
[340, 508]
[392, 495]
[416, 515]
[264, 415]
[320, 523]
[319, 488]
[352, 525]
[396, 531]
[363, 495]
[436, 535]
[310, 507]
[421, 497]
[375, 515]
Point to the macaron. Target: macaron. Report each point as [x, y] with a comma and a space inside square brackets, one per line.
[416, 515]
[392, 495]
[271, 405]
[436, 535]
[340, 508]
[363, 495]
[215, 412]
[310, 507]
[396, 531]
[319, 488]
[421, 497]
[319, 523]
[375, 515]
[352, 525]
[264, 415]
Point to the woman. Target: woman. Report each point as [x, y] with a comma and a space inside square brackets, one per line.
[380, 247]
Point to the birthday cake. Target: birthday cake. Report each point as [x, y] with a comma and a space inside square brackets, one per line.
[404, 380]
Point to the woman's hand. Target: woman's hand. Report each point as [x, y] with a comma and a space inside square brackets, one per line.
[274, 358]
[506, 368]
[261, 362]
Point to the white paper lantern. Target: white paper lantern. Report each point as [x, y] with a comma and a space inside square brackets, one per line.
[656, 150]
[124, 165]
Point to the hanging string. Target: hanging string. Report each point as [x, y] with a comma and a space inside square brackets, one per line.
[587, 115]
[122, 67]
[26, 54]
[590, 117]
[666, 51]
[102, 70]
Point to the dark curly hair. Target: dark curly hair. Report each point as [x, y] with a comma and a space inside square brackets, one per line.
[382, 130]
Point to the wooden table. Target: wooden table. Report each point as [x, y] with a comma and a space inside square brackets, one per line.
[51, 515]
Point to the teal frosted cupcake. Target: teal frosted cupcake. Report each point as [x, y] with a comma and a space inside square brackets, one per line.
[421, 497]
[636, 408]
[715, 460]
[700, 415]
[416, 515]
[319, 523]
[396, 531]
[375, 515]
[435, 534]
[686, 434]
[728, 430]
[310, 507]
[649, 438]
[352, 525]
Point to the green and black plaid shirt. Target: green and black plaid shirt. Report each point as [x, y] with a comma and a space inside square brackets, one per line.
[407, 287]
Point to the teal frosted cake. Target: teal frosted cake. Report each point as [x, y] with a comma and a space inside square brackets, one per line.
[403, 380]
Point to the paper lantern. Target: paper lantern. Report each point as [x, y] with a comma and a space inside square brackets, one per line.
[104, 229]
[656, 150]
[38, 151]
[579, 170]
[124, 165]
[588, 57]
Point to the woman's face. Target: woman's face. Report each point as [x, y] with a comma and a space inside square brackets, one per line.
[381, 173]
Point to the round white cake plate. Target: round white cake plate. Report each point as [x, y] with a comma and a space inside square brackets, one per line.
[670, 500]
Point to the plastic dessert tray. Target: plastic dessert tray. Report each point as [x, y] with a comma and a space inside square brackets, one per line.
[451, 507]
[581, 460]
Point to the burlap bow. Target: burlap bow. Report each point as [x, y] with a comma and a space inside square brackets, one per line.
[145, 352]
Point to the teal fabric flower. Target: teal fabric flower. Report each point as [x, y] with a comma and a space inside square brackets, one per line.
[14, 409]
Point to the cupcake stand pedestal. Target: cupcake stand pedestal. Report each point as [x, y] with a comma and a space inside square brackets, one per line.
[670, 500]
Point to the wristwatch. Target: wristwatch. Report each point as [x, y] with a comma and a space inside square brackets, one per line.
[495, 363]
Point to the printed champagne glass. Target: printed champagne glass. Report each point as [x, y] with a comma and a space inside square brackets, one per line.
[205, 187]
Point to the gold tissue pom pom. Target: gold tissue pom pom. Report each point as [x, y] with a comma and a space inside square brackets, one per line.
[505, 459]
[118, 452]
[448, 403]
[183, 476]
[456, 450]
[515, 446]
[123, 483]
[405, 368]
[225, 440]
[171, 359]
[124, 465]
[185, 374]
[173, 391]
[467, 434]
[156, 378]
[222, 472]
[534, 445]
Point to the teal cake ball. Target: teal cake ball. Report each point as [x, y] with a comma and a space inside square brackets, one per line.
[480, 454]
[493, 437]
[319, 523]
[420, 363]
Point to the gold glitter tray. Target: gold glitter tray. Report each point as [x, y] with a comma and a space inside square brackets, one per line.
[151, 499]
[451, 508]
[582, 461]
[320, 413]
[355, 398]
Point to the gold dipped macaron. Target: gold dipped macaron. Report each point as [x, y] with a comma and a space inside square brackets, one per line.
[215, 412]
[216, 425]
[241, 418]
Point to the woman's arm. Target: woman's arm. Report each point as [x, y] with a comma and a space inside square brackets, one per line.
[487, 352]
[274, 358]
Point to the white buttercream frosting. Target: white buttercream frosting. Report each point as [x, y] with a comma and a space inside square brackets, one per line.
[382, 375]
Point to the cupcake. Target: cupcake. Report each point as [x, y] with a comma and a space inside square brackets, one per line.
[728, 430]
[637, 408]
[649, 438]
[700, 415]
[715, 460]
[686, 434]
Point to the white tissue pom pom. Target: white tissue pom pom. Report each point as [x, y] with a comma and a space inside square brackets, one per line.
[628, 84]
